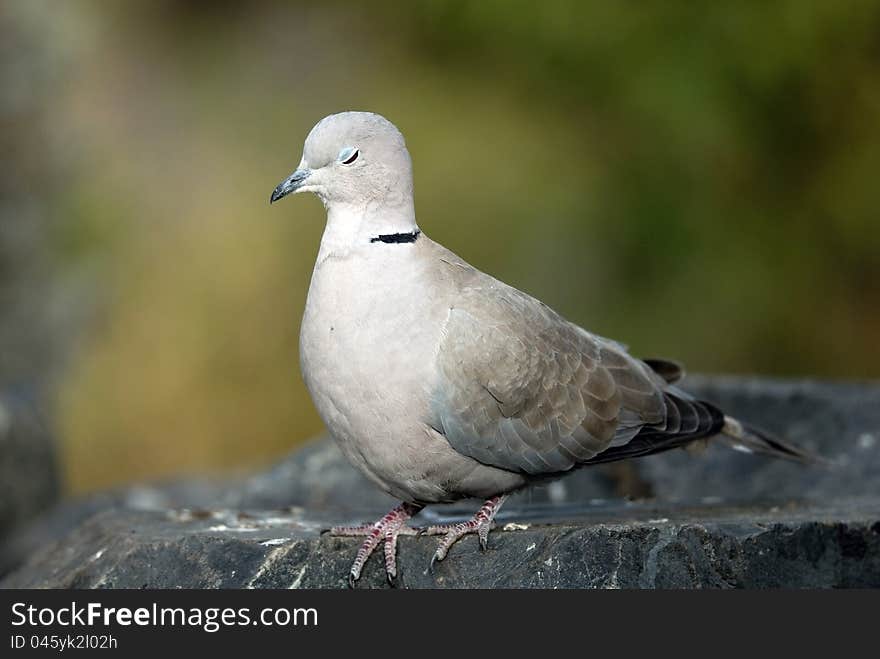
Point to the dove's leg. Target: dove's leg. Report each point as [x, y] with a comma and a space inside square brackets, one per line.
[481, 524]
[385, 530]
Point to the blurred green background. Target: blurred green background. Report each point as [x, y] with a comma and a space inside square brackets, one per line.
[699, 181]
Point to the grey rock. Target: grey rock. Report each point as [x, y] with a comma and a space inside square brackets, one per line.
[721, 519]
[840, 421]
[29, 481]
[618, 546]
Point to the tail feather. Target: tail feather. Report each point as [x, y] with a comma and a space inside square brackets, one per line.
[742, 437]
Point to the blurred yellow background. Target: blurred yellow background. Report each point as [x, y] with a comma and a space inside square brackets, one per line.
[700, 182]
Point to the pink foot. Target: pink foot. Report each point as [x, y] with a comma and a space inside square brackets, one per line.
[481, 524]
[386, 529]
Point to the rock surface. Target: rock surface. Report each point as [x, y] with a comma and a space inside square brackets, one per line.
[618, 546]
[722, 519]
[29, 481]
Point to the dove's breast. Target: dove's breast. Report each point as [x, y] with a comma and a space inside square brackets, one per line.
[366, 359]
[370, 332]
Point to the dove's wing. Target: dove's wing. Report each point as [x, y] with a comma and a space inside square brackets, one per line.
[521, 388]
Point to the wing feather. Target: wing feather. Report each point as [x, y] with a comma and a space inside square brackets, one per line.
[523, 389]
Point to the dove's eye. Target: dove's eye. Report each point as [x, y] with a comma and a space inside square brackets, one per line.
[349, 155]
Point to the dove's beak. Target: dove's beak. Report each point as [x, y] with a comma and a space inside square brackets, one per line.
[291, 184]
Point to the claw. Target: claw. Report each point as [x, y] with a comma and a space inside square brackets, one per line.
[483, 534]
[481, 523]
[386, 530]
[393, 580]
[391, 526]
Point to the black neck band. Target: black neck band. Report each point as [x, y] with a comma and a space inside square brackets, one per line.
[390, 238]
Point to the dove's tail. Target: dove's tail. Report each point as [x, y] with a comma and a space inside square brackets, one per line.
[742, 437]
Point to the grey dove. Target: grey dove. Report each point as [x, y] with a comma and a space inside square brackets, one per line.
[440, 382]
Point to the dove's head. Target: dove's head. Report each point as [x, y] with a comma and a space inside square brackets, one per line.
[355, 159]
